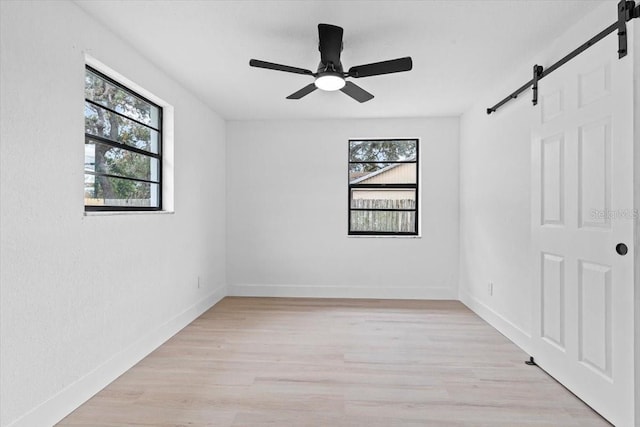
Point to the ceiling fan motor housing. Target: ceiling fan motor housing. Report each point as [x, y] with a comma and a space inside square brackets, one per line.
[330, 46]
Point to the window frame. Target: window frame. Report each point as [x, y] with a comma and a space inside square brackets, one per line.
[100, 139]
[382, 187]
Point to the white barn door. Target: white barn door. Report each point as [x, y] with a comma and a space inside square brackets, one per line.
[582, 208]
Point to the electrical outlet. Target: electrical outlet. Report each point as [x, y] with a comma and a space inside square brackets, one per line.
[490, 289]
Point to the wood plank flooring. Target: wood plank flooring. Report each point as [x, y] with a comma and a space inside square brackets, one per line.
[334, 362]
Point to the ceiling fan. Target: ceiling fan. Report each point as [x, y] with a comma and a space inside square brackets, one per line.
[330, 75]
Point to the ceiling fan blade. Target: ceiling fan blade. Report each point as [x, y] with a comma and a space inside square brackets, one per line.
[303, 92]
[330, 44]
[384, 67]
[278, 67]
[356, 92]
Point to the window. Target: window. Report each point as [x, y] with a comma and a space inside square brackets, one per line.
[122, 147]
[383, 187]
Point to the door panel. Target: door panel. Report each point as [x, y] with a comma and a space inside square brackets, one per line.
[594, 165]
[553, 180]
[594, 84]
[582, 206]
[553, 327]
[594, 319]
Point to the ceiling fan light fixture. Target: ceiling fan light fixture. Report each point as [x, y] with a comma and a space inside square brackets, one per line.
[330, 81]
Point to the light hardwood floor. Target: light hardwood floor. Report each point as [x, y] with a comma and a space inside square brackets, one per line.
[330, 362]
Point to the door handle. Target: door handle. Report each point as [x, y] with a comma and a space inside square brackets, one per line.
[622, 249]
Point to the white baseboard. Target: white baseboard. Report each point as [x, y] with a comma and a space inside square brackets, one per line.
[302, 291]
[519, 336]
[66, 401]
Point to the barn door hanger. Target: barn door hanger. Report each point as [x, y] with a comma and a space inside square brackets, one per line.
[627, 10]
[537, 75]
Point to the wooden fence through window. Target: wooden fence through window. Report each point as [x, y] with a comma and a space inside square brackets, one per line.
[394, 221]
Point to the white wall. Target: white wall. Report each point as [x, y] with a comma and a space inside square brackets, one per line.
[495, 191]
[636, 84]
[84, 297]
[287, 212]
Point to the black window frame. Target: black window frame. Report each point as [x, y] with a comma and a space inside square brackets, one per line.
[119, 145]
[401, 186]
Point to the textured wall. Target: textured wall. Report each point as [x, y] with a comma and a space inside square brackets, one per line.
[79, 291]
[636, 82]
[287, 211]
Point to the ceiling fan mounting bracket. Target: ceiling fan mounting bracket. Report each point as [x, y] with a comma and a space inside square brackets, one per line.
[330, 68]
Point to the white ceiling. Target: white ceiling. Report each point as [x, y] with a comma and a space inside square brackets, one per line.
[458, 48]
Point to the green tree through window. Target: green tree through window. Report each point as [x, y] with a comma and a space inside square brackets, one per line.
[122, 147]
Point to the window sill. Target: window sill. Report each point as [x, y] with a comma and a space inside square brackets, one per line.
[112, 213]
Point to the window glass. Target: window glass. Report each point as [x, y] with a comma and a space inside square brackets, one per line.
[382, 150]
[402, 198]
[383, 187]
[381, 173]
[101, 122]
[383, 222]
[104, 158]
[103, 190]
[115, 97]
[123, 147]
